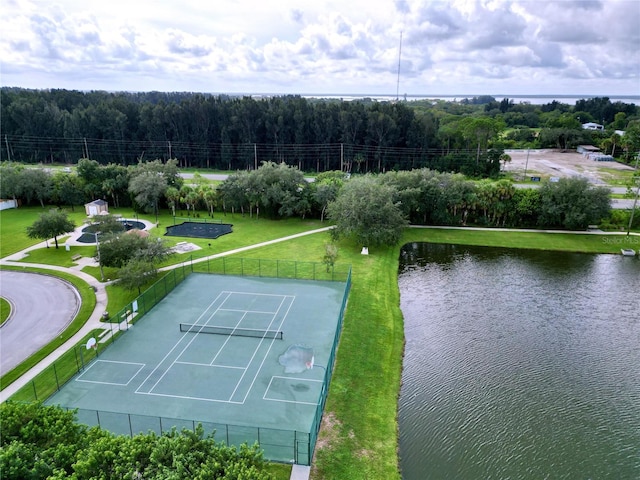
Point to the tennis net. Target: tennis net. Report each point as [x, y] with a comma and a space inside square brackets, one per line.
[236, 332]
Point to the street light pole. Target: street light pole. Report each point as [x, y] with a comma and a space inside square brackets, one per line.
[99, 260]
[526, 164]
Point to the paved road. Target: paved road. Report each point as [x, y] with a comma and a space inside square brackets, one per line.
[620, 204]
[616, 203]
[223, 176]
[41, 308]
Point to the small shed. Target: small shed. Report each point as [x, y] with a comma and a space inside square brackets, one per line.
[97, 207]
[587, 149]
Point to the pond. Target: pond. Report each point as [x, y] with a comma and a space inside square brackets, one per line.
[519, 364]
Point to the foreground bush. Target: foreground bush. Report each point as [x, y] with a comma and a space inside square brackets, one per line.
[44, 442]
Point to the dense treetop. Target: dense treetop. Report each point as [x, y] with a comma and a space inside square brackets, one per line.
[238, 133]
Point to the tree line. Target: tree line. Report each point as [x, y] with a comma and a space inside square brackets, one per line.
[239, 133]
[276, 190]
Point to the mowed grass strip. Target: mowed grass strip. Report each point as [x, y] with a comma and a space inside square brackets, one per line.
[5, 310]
[553, 241]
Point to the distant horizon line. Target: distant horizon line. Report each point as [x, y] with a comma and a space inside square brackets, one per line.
[360, 95]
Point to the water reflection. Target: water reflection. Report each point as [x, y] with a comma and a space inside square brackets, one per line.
[519, 364]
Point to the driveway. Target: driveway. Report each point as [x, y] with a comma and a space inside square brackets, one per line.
[41, 308]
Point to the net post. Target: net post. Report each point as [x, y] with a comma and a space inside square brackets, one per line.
[130, 427]
[35, 392]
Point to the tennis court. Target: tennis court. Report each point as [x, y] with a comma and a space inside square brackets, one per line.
[244, 356]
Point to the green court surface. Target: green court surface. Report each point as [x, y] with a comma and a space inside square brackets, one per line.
[265, 388]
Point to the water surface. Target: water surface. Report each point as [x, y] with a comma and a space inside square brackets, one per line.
[519, 364]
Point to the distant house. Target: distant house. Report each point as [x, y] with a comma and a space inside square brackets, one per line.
[97, 207]
[592, 126]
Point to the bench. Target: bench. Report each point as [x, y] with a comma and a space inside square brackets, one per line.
[76, 257]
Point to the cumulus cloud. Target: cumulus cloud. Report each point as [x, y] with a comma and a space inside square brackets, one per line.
[329, 45]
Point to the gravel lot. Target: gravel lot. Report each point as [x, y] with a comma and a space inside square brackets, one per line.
[554, 163]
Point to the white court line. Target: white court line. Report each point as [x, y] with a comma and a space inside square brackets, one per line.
[210, 365]
[264, 358]
[264, 397]
[226, 295]
[257, 294]
[187, 397]
[227, 341]
[247, 311]
[186, 347]
[172, 349]
[142, 365]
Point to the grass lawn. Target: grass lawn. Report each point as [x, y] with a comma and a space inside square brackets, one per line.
[359, 437]
[568, 242]
[620, 178]
[5, 310]
[14, 223]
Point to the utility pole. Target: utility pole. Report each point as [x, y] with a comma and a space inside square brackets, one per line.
[399, 57]
[6, 142]
[99, 259]
[255, 156]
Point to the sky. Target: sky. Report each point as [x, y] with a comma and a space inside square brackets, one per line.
[445, 47]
